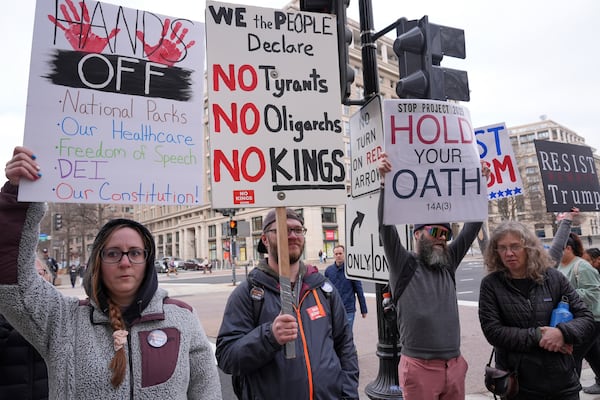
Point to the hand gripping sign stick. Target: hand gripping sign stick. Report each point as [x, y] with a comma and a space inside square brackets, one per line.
[285, 286]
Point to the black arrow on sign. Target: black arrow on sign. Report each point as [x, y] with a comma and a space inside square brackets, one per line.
[357, 221]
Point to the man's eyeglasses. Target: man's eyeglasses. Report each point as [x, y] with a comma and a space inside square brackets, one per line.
[437, 232]
[513, 248]
[113, 256]
[298, 231]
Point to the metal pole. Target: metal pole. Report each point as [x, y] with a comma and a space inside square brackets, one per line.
[232, 253]
[369, 49]
[386, 385]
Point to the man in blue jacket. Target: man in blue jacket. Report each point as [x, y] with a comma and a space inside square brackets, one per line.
[349, 289]
[254, 331]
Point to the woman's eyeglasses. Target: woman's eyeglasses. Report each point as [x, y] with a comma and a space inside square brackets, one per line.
[437, 232]
[113, 256]
[513, 248]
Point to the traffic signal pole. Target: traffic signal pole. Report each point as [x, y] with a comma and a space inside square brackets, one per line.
[386, 385]
[232, 249]
[369, 50]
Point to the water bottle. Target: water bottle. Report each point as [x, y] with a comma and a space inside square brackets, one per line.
[389, 309]
[561, 313]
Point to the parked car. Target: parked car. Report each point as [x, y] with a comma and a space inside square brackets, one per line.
[179, 263]
[159, 266]
[193, 263]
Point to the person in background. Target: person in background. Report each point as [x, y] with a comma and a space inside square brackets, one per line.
[206, 265]
[516, 300]
[172, 267]
[81, 272]
[254, 331]
[592, 255]
[128, 339]
[73, 273]
[349, 289]
[586, 281]
[431, 365]
[52, 265]
[23, 372]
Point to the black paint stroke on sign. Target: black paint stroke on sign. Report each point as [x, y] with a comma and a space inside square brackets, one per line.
[175, 84]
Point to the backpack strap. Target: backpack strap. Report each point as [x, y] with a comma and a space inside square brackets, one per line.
[405, 276]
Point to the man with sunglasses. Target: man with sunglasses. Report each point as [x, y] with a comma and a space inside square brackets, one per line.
[424, 292]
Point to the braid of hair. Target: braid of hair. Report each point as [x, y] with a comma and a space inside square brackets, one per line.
[118, 364]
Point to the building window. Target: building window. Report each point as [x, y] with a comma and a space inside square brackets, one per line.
[212, 249]
[225, 228]
[531, 170]
[328, 215]
[527, 138]
[257, 224]
[212, 231]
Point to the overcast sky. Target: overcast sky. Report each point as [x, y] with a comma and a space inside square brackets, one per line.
[525, 59]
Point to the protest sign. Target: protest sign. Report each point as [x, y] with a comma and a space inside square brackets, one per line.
[276, 132]
[436, 172]
[114, 108]
[495, 149]
[569, 176]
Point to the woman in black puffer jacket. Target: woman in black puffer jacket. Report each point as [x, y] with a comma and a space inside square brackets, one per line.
[516, 300]
[23, 373]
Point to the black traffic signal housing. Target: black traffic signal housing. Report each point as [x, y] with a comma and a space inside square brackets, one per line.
[420, 47]
[344, 38]
[233, 227]
[57, 221]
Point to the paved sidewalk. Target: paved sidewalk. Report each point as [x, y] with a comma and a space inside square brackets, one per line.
[209, 301]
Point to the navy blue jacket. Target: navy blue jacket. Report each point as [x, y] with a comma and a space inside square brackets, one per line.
[326, 363]
[347, 288]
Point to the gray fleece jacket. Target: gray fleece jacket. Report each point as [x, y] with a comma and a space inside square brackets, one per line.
[75, 338]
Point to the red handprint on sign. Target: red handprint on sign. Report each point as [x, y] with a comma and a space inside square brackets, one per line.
[167, 50]
[79, 33]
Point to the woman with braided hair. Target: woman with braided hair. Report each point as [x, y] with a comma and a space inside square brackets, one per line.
[128, 339]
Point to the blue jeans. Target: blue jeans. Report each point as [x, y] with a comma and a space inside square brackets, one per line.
[350, 317]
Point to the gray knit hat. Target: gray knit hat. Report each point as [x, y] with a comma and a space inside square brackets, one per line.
[269, 219]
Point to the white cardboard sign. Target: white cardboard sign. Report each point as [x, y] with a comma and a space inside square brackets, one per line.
[114, 109]
[436, 172]
[276, 132]
[495, 149]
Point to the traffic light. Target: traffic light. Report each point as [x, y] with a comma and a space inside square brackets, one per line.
[420, 47]
[344, 38]
[57, 221]
[233, 227]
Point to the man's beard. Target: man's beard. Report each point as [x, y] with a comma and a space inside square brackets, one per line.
[431, 255]
[273, 252]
